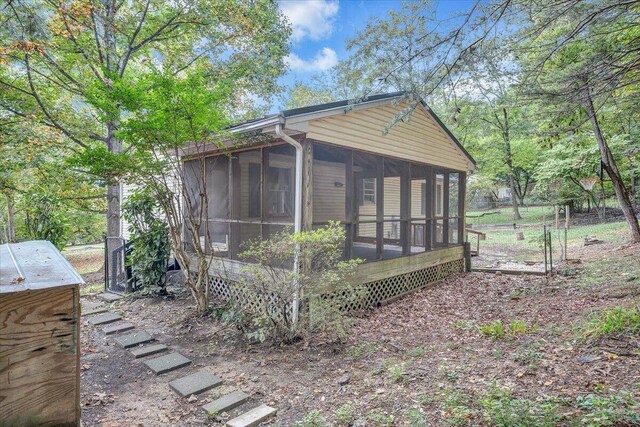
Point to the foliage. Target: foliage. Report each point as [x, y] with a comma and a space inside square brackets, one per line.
[44, 220]
[494, 329]
[616, 409]
[614, 321]
[501, 409]
[266, 295]
[313, 419]
[498, 330]
[345, 414]
[150, 240]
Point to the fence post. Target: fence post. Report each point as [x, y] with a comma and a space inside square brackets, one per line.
[544, 233]
[567, 215]
[106, 261]
[557, 216]
[550, 254]
[467, 257]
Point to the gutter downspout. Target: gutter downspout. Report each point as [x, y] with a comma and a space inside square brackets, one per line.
[297, 218]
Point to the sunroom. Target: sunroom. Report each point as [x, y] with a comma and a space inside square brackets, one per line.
[398, 191]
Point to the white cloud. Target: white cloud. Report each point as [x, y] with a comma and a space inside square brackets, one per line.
[310, 18]
[324, 60]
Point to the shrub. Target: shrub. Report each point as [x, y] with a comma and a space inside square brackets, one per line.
[617, 320]
[270, 285]
[150, 240]
[44, 219]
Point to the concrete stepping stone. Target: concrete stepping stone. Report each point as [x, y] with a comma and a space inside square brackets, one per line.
[134, 339]
[109, 296]
[226, 402]
[195, 383]
[121, 327]
[167, 363]
[92, 311]
[90, 305]
[253, 417]
[103, 319]
[148, 350]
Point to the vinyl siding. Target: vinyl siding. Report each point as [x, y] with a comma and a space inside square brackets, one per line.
[420, 139]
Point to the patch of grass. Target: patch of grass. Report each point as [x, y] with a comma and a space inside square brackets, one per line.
[362, 349]
[527, 356]
[416, 418]
[602, 410]
[501, 409]
[92, 289]
[345, 414]
[313, 419]
[497, 330]
[615, 321]
[457, 408]
[417, 351]
[397, 373]
[380, 418]
[493, 330]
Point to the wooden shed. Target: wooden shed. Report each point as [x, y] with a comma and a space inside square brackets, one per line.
[398, 189]
[39, 337]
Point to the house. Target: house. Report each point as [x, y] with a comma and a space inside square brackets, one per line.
[399, 190]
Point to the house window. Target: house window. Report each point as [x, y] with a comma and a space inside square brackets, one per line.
[368, 191]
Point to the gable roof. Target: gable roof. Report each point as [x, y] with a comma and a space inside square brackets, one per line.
[302, 114]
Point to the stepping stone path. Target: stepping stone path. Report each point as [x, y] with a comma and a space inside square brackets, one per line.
[134, 339]
[195, 383]
[253, 417]
[226, 402]
[148, 350]
[167, 363]
[92, 311]
[103, 319]
[114, 329]
[109, 296]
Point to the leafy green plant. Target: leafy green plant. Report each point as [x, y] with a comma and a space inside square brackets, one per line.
[617, 409]
[266, 294]
[457, 408]
[617, 320]
[380, 418]
[502, 409]
[313, 419]
[517, 327]
[150, 239]
[397, 373]
[417, 351]
[345, 414]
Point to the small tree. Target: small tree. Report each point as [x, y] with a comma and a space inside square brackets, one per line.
[150, 239]
[266, 299]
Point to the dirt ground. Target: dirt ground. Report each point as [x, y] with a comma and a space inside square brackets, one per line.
[402, 362]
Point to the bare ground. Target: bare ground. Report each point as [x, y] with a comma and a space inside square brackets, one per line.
[401, 360]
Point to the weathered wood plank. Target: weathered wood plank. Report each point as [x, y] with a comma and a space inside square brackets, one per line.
[39, 367]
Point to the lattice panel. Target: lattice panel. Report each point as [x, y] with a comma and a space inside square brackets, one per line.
[381, 290]
[372, 294]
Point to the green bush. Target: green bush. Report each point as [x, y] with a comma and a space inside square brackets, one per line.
[44, 219]
[264, 298]
[150, 240]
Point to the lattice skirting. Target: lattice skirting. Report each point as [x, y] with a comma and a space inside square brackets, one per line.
[382, 290]
[370, 294]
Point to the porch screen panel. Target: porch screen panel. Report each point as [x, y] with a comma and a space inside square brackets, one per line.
[279, 184]
[245, 199]
[194, 186]
[394, 226]
[329, 183]
[367, 196]
[420, 212]
[217, 186]
[439, 207]
[455, 206]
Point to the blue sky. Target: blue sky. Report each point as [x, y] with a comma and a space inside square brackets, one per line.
[322, 27]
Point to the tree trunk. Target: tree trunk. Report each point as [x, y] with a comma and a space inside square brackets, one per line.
[610, 166]
[509, 162]
[11, 219]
